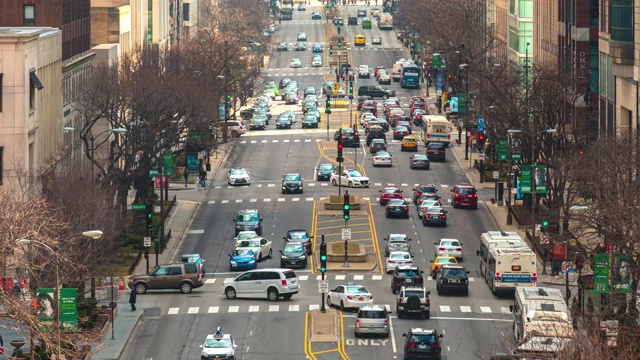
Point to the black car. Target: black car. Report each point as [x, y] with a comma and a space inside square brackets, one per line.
[397, 208]
[284, 82]
[429, 189]
[436, 151]
[452, 278]
[283, 46]
[293, 255]
[419, 162]
[248, 220]
[376, 91]
[400, 132]
[377, 145]
[435, 215]
[247, 113]
[300, 46]
[300, 236]
[324, 172]
[375, 133]
[309, 121]
[352, 20]
[422, 344]
[362, 12]
[283, 122]
[257, 124]
[406, 275]
[292, 183]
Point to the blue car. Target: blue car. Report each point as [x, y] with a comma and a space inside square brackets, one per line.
[317, 48]
[324, 172]
[242, 259]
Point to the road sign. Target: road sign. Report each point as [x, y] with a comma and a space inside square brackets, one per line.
[137, 207]
[480, 123]
[482, 157]
[147, 241]
[153, 172]
[496, 174]
[544, 239]
[346, 234]
[323, 286]
[566, 265]
[503, 147]
[572, 275]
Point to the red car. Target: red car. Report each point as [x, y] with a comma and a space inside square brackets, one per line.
[464, 195]
[389, 193]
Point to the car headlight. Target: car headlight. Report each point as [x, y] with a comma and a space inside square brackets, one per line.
[284, 257]
[252, 261]
[302, 257]
[284, 186]
[233, 262]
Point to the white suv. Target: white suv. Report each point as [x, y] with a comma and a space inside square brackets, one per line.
[235, 128]
[270, 283]
[363, 71]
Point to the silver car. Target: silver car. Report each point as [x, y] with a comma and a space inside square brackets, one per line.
[372, 319]
[397, 242]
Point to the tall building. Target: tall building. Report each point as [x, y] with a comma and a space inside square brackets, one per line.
[520, 27]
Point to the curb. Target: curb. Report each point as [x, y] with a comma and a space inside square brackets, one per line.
[183, 232]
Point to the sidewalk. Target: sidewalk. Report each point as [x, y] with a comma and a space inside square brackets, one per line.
[179, 221]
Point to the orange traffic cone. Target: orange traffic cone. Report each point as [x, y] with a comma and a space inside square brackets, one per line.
[121, 287]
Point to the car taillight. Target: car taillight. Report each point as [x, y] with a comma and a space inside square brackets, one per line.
[241, 127]
[456, 195]
[357, 322]
[350, 297]
[419, 278]
[475, 195]
[397, 278]
[428, 301]
[428, 135]
[411, 345]
[429, 216]
[386, 322]
[395, 132]
[441, 249]
[435, 345]
[405, 207]
[449, 136]
[443, 217]
[284, 282]
[458, 249]
[401, 300]
[199, 276]
[534, 277]
[497, 277]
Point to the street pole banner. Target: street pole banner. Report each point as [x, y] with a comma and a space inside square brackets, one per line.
[525, 179]
[601, 273]
[46, 308]
[541, 179]
[622, 274]
[68, 309]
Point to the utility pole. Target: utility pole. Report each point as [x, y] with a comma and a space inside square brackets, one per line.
[340, 159]
[346, 207]
[323, 269]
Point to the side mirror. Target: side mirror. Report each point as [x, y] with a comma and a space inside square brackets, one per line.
[234, 220]
[403, 335]
[261, 219]
[281, 252]
[230, 255]
[478, 253]
[468, 272]
[200, 346]
[446, 212]
[428, 292]
[435, 243]
[386, 239]
[412, 256]
[414, 188]
[441, 335]
[408, 239]
[461, 244]
[379, 191]
[451, 190]
[421, 272]
[510, 308]
[284, 238]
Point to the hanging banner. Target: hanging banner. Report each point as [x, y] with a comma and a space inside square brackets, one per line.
[525, 179]
[68, 309]
[46, 309]
[541, 179]
[622, 274]
[601, 273]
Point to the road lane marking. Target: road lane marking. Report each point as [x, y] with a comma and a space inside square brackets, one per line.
[274, 308]
[485, 309]
[393, 338]
[309, 199]
[340, 277]
[358, 277]
[193, 310]
[173, 311]
[271, 185]
[295, 199]
[254, 308]
[253, 200]
[303, 277]
[212, 202]
[465, 309]
[267, 200]
[238, 201]
[294, 307]
[233, 309]
[224, 201]
[505, 310]
[281, 199]
[314, 307]
[445, 308]
[210, 281]
[213, 309]
[376, 277]
[196, 231]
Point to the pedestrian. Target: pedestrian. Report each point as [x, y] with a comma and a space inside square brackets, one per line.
[132, 299]
[185, 173]
[474, 142]
[203, 175]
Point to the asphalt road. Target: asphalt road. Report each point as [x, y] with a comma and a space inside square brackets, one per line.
[174, 325]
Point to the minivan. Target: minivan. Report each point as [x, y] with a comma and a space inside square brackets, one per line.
[263, 283]
[372, 319]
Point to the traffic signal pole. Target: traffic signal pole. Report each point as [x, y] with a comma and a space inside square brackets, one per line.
[345, 210]
[323, 269]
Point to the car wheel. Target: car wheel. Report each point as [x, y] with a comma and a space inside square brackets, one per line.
[393, 290]
[283, 191]
[185, 288]
[384, 96]
[272, 294]
[334, 182]
[260, 257]
[386, 214]
[341, 306]
[287, 296]
[140, 288]
[329, 301]
[350, 184]
[230, 293]
[400, 314]
[270, 253]
[466, 292]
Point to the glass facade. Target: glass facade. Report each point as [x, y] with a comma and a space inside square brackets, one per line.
[622, 20]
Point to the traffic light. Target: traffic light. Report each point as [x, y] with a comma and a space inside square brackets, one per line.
[327, 105]
[346, 207]
[355, 131]
[340, 147]
[330, 50]
[543, 227]
[579, 260]
[480, 139]
[580, 152]
[339, 44]
[323, 257]
[445, 95]
[350, 89]
[149, 218]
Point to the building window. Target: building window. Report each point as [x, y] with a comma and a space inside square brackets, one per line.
[512, 7]
[604, 16]
[29, 15]
[185, 11]
[35, 84]
[621, 23]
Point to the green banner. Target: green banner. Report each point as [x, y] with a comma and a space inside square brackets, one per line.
[46, 308]
[516, 156]
[541, 179]
[167, 163]
[503, 148]
[462, 103]
[525, 179]
[601, 273]
[622, 274]
[68, 309]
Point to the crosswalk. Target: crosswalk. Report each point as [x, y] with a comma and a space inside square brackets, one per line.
[440, 309]
[286, 141]
[305, 199]
[328, 277]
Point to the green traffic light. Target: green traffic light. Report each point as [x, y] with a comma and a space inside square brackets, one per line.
[545, 223]
[346, 206]
[323, 269]
[323, 257]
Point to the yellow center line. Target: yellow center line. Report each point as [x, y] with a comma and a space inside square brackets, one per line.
[341, 342]
[325, 351]
[307, 345]
[313, 240]
[375, 237]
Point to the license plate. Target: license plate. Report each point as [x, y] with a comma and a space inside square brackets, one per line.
[466, 200]
[409, 280]
[361, 299]
[455, 281]
[450, 250]
[372, 329]
[422, 347]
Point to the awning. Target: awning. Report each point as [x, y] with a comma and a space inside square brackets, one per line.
[35, 82]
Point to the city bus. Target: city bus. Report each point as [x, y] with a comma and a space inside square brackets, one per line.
[497, 239]
[410, 76]
[437, 129]
[385, 21]
[286, 10]
[541, 322]
[508, 268]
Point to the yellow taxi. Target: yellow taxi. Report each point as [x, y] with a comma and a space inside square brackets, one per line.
[375, 12]
[359, 40]
[409, 143]
[439, 261]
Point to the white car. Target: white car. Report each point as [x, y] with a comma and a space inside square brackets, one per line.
[376, 40]
[316, 61]
[363, 71]
[350, 178]
[266, 99]
[396, 258]
[261, 246]
[238, 176]
[364, 119]
[382, 158]
[218, 346]
[270, 93]
[245, 235]
[349, 296]
[449, 247]
[426, 203]
[302, 36]
[295, 63]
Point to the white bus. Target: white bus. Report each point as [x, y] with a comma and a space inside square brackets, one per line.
[385, 21]
[541, 321]
[497, 239]
[508, 268]
[437, 129]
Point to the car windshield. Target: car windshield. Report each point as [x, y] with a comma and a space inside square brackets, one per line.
[250, 243]
[418, 293]
[419, 157]
[191, 259]
[446, 261]
[409, 139]
[397, 237]
[428, 189]
[409, 273]
[390, 191]
[401, 129]
[217, 343]
[455, 272]
[247, 236]
[354, 174]
[293, 248]
[404, 256]
[372, 314]
[248, 217]
[357, 290]
[434, 210]
[382, 153]
[238, 172]
[449, 243]
[396, 202]
[243, 252]
[326, 167]
[420, 338]
[466, 191]
[298, 235]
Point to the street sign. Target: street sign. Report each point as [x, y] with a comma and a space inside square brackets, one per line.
[496, 174]
[439, 79]
[601, 273]
[147, 241]
[480, 123]
[153, 172]
[566, 265]
[482, 157]
[439, 92]
[346, 234]
[544, 239]
[323, 286]
[503, 147]
[137, 207]
[572, 275]
[525, 179]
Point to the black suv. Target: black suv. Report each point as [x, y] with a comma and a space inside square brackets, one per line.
[300, 236]
[452, 277]
[292, 183]
[376, 133]
[422, 344]
[352, 20]
[248, 220]
[436, 151]
[293, 255]
[406, 276]
[376, 91]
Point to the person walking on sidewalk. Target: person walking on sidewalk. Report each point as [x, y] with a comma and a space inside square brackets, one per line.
[185, 173]
[132, 299]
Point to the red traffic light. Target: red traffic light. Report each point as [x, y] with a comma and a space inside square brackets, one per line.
[480, 137]
[340, 146]
[581, 152]
[355, 133]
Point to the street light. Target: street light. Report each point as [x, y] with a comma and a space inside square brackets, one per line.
[92, 138]
[463, 67]
[533, 178]
[94, 234]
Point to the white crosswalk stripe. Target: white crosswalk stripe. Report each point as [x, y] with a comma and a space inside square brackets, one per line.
[210, 281]
[465, 309]
[294, 307]
[173, 311]
[485, 309]
[213, 309]
[234, 309]
[193, 310]
[254, 308]
[445, 308]
[274, 308]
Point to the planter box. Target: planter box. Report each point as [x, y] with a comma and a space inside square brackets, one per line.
[356, 252]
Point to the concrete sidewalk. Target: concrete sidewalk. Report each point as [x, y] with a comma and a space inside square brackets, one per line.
[179, 221]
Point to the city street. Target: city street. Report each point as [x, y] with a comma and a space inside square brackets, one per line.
[174, 324]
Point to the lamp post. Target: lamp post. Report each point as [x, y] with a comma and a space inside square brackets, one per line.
[94, 234]
[465, 69]
[533, 165]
